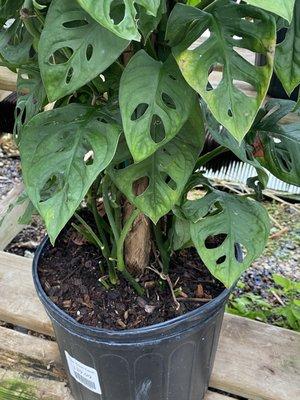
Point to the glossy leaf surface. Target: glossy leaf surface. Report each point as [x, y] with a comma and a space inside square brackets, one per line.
[120, 17]
[227, 220]
[167, 171]
[31, 97]
[155, 102]
[278, 143]
[62, 153]
[287, 56]
[74, 49]
[283, 8]
[231, 27]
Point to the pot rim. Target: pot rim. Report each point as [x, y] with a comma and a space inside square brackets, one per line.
[171, 324]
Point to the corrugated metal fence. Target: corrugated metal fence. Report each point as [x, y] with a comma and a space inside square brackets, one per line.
[239, 172]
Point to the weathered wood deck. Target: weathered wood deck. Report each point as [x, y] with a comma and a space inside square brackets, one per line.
[254, 360]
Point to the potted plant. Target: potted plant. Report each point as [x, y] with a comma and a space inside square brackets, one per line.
[113, 166]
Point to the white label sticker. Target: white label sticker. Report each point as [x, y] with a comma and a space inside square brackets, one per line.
[83, 374]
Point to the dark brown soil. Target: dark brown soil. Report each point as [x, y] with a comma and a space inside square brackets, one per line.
[70, 275]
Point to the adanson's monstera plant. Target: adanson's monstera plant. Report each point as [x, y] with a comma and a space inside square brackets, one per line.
[132, 88]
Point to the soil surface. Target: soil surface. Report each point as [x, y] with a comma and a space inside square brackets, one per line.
[70, 275]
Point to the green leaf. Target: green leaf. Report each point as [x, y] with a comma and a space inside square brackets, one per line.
[155, 102]
[10, 8]
[62, 153]
[15, 45]
[74, 49]
[279, 143]
[148, 23]
[31, 97]
[241, 220]
[232, 27]
[282, 281]
[167, 170]
[284, 8]
[180, 234]
[243, 150]
[193, 2]
[287, 55]
[120, 17]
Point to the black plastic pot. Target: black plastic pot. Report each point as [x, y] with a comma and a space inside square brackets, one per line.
[168, 361]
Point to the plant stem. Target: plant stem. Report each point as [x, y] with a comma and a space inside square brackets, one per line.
[90, 231]
[120, 242]
[137, 287]
[27, 18]
[209, 156]
[97, 218]
[162, 249]
[108, 210]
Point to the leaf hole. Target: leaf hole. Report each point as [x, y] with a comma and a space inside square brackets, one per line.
[76, 23]
[242, 250]
[89, 158]
[168, 101]
[53, 185]
[157, 129]
[89, 52]
[61, 56]
[168, 180]
[285, 161]
[237, 38]
[102, 119]
[246, 54]
[221, 260]
[117, 11]
[172, 77]
[276, 140]
[214, 209]
[200, 40]
[229, 112]
[245, 88]
[215, 241]
[215, 76]
[139, 111]
[140, 186]
[69, 75]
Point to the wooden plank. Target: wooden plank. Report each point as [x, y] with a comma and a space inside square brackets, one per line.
[30, 355]
[8, 80]
[18, 300]
[258, 360]
[44, 389]
[9, 218]
[38, 360]
[4, 94]
[255, 360]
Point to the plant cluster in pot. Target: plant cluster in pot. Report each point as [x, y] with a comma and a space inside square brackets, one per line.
[143, 250]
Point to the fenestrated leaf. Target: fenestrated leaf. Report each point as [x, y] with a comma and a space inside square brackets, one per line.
[62, 153]
[287, 55]
[284, 8]
[279, 143]
[120, 17]
[232, 27]
[74, 48]
[31, 97]
[167, 170]
[155, 102]
[236, 220]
